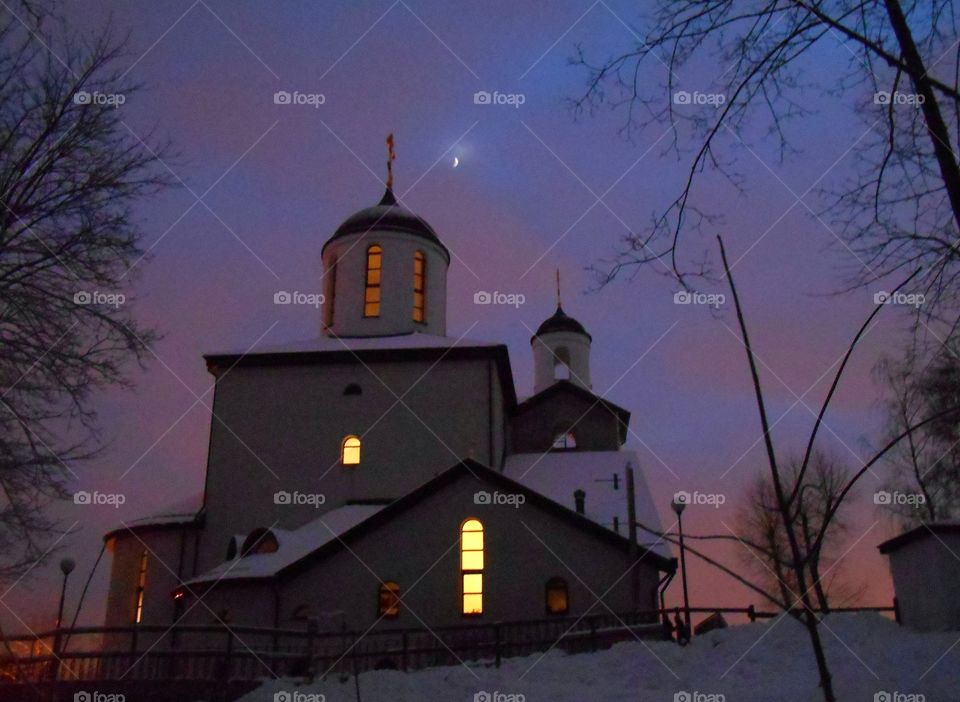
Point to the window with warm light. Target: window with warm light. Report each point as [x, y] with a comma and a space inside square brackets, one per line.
[558, 599]
[371, 295]
[350, 451]
[471, 567]
[141, 583]
[260, 540]
[419, 286]
[388, 601]
[303, 613]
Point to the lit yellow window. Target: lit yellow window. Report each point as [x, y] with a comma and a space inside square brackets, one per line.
[389, 600]
[371, 295]
[141, 582]
[350, 451]
[419, 286]
[471, 566]
[558, 599]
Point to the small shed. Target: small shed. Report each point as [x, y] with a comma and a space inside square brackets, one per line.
[925, 564]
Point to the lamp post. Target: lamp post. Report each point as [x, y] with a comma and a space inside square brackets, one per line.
[66, 567]
[678, 507]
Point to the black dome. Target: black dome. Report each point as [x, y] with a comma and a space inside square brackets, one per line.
[561, 322]
[388, 215]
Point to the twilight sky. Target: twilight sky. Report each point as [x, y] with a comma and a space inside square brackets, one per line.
[276, 180]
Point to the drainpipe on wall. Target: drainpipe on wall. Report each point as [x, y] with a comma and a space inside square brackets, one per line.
[662, 591]
[633, 548]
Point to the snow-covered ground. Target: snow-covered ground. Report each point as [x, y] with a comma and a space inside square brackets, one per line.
[871, 658]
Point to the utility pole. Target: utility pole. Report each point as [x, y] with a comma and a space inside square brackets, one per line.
[632, 519]
[678, 507]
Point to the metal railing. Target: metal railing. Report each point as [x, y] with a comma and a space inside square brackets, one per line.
[224, 652]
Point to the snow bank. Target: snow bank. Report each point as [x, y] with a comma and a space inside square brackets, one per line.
[869, 655]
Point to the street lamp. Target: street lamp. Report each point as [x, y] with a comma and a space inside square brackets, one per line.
[678, 507]
[66, 567]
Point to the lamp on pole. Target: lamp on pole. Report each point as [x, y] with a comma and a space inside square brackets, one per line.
[66, 567]
[678, 506]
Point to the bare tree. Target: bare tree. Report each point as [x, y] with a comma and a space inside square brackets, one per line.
[926, 466]
[901, 209]
[788, 493]
[70, 175]
[760, 528]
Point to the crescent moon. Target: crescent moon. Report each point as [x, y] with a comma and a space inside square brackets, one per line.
[456, 161]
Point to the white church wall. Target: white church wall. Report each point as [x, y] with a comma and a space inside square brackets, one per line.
[421, 546]
[546, 353]
[396, 305]
[163, 546]
[293, 419]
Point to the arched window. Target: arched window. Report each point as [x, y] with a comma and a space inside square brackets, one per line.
[350, 451]
[419, 286]
[561, 364]
[388, 601]
[331, 293]
[302, 613]
[141, 583]
[564, 440]
[260, 540]
[557, 597]
[471, 567]
[371, 295]
[353, 389]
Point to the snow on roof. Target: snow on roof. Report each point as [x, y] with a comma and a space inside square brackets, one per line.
[292, 545]
[324, 344]
[921, 531]
[557, 474]
[181, 512]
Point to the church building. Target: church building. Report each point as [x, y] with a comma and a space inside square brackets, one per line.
[384, 474]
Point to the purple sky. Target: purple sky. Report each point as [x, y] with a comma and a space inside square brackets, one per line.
[281, 177]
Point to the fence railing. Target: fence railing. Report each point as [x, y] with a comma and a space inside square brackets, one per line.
[224, 652]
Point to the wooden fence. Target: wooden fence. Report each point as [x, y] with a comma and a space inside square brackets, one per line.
[221, 653]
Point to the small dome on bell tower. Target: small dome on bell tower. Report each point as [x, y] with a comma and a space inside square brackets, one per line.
[561, 350]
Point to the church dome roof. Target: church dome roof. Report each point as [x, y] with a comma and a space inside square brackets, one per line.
[390, 216]
[561, 322]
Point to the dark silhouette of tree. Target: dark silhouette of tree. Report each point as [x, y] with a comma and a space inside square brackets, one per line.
[898, 213]
[788, 489]
[760, 528]
[70, 175]
[926, 466]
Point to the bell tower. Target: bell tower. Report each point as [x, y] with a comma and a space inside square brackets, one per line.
[561, 350]
[385, 272]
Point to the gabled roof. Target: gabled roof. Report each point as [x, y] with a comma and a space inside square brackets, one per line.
[282, 564]
[948, 526]
[565, 386]
[556, 474]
